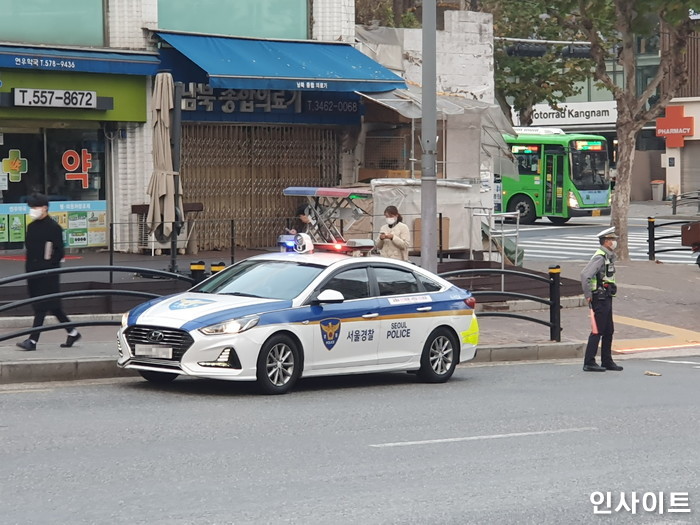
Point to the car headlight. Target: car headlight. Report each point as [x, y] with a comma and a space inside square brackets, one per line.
[125, 319]
[232, 326]
[573, 202]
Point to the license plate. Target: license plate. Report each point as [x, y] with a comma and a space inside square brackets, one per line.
[162, 352]
[595, 213]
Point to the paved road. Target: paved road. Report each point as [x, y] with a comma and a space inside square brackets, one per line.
[576, 241]
[525, 443]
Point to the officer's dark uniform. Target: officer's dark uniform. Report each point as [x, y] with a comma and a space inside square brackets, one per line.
[598, 282]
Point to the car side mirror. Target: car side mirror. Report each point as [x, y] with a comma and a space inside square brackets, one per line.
[328, 297]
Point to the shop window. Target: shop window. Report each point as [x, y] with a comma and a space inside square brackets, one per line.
[66, 165]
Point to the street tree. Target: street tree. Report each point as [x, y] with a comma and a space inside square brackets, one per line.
[529, 74]
[389, 13]
[614, 27]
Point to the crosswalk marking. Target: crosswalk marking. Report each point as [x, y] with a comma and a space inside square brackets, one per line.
[580, 247]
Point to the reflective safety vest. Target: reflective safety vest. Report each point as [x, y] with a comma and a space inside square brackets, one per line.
[606, 275]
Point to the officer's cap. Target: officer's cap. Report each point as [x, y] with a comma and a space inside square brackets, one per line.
[608, 233]
[37, 200]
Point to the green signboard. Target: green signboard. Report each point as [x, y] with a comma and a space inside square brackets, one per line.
[128, 93]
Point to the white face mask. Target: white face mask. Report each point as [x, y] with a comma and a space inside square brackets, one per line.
[35, 213]
[391, 221]
[613, 245]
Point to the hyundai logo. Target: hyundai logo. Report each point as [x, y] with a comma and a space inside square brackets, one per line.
[156, 336]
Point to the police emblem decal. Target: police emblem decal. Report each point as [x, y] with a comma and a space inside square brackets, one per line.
[330, 332]
[183, 304]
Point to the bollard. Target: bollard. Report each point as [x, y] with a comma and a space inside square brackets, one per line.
[217, 267]
[197, 271]
[555, 303]
[651, 238]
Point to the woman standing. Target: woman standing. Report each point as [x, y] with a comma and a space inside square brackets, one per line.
[394, 237]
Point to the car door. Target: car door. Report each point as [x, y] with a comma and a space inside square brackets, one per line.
[405, 314]
[345, 335]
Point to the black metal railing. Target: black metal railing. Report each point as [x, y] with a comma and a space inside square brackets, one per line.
[80, 293]
[685, 198]
[652, 227]
[554, 301]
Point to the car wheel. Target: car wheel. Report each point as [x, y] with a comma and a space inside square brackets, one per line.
[439, 358]
[559, 221]
[525, 206]
[158, 378]
[279, 365]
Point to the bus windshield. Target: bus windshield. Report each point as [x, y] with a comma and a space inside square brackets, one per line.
[589, 169]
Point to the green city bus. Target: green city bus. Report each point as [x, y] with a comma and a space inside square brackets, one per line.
[560, 175]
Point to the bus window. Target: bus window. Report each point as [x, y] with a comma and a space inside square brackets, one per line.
[589, 170]
[528, 158]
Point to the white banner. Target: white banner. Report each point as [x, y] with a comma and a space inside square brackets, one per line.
[575, 114]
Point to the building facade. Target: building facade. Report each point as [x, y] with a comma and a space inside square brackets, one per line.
[681, 160]
[68, 93]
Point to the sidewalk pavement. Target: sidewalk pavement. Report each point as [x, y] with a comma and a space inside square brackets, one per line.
[657, 309]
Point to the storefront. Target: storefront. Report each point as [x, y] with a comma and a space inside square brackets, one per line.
[682, 157]
[261, 115]
[58, 108]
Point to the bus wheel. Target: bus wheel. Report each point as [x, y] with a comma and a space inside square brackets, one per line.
[559, 221]
[525, 206]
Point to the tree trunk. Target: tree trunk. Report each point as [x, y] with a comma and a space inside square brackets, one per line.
[525, 115]
[627, 138]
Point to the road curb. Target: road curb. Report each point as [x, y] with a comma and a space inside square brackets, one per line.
[61, 370]
[530, 352]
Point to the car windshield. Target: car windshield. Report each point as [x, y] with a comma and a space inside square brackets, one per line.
[258, 278]
[589, 170]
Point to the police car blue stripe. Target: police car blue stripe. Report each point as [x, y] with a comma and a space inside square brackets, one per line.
[235, 313]
[135, 312]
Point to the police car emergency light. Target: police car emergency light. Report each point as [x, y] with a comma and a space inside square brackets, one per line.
[299, 243]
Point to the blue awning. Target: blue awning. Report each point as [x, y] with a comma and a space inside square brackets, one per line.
[86, 61]
[246, 63]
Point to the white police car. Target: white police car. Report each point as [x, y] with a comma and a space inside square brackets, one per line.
[278, 317]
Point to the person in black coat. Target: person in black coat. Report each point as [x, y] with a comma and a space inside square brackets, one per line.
[44, 242]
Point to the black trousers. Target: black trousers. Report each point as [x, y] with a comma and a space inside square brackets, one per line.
[603, 313]
[40, 315]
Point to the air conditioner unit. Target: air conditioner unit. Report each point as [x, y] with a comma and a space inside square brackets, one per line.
[148, 241]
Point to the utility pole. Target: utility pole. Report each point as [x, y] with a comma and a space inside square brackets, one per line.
[428, 243]
[175, 145]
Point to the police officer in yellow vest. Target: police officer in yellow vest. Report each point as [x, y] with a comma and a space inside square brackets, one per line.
[599, 288]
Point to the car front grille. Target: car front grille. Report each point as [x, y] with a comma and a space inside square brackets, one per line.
[178, 340]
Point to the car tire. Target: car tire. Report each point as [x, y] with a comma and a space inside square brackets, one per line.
[559, 221]
[279, 365]
[525, 206]
[158, 378]
[440, 356]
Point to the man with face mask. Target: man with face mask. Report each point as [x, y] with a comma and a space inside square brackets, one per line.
[599, 288]
[44, 242]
